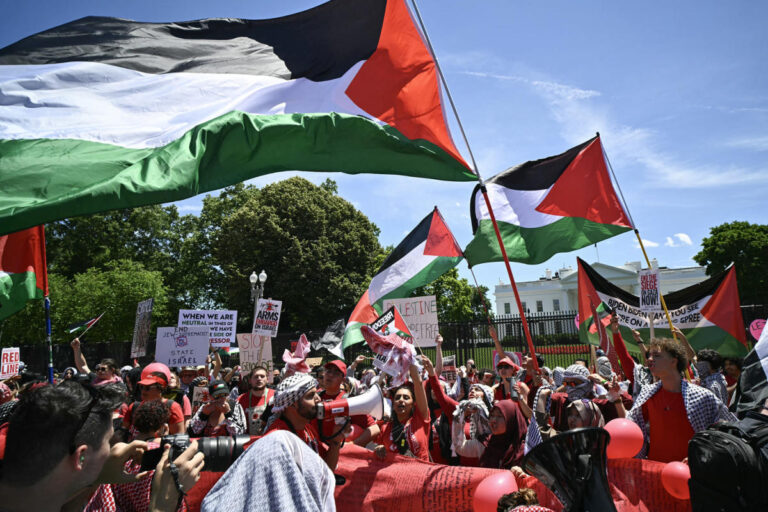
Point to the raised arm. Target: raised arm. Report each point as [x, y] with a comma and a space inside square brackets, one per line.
[627, 364]
[439, 354]
[689, 352]
[447, 404]
[420, 395]
[80, 363]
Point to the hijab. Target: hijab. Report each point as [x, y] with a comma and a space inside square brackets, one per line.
[588, 412]
[506, 450]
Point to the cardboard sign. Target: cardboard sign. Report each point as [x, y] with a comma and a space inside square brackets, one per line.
[267, 317]
[181, 346]
[650, 290]
[141, 328]
[221, 324]
[200, 397]
[420, 314]
[314, 361]
[9, 362]
[256, 350]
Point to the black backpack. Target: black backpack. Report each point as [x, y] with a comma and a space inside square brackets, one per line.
[729, 468]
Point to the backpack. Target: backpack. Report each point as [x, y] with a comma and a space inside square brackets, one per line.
[729, 468]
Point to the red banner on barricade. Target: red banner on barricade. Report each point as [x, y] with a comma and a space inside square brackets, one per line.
[407, 485]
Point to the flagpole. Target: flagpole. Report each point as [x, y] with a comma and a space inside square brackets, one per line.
[47, 303]
[528, 338]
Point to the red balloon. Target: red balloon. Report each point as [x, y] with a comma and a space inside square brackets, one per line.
[675, 476]
[626, 438]
[487, 494]
[354, 433]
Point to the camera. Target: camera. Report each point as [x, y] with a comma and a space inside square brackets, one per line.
[220, 452]
[513, 394]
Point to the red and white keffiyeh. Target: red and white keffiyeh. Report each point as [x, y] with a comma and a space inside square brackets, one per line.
[398, 354]
[297, 361]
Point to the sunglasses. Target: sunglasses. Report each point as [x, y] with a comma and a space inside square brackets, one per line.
[102, 368]
[148, 388]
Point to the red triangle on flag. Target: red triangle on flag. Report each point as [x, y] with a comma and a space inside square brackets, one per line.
[440, 241]
[724, 308]
[584, 190]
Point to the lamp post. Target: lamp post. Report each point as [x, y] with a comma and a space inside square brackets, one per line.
[257, 289]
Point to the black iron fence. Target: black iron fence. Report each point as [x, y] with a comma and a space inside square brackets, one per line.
[555, 337]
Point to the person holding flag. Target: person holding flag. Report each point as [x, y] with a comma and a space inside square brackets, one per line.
[106, 370]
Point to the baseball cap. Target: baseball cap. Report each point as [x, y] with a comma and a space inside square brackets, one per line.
[338, 364]
[506, 362]
[147, 379]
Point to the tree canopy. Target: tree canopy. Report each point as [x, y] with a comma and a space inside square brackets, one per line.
[745, 245]
[457, 300]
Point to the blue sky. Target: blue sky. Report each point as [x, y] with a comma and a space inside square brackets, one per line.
[678, 91]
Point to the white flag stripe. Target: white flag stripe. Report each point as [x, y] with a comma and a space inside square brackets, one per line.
[104, 103]
[761, 349]
[516, 207]
[403, 270]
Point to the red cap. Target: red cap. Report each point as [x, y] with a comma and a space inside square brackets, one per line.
[153, 379]
[338, 364]
[147, 379]
[508, 362]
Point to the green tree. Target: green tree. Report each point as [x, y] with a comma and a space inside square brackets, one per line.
[746, 245]
[457, 300]
[115, 290]
[318, 251]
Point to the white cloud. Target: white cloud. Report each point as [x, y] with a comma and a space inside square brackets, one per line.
[753, 143]
[646, 243]
[190, 207]
[682, 240]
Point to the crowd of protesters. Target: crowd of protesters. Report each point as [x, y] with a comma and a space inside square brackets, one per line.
[483, 418]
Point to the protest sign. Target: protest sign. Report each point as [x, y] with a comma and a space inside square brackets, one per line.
[221, 324]
[756, 328]
[420, 314]
[181, 346]
[9, 362]
[141, 328]
[650, 290]
[255, 350]
[267, 317]
[391, 321]
[449, 368]
[200, 397]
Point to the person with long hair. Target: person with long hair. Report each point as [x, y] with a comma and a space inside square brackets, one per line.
[407, 432]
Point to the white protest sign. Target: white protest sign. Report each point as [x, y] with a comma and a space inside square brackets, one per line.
[255, 350]
[200, 397]
[141, 328]
[179, 347]
[267, 317]
[221, 324]
[386, 364]
[420, 314]
[449, 368]
[9, 362]
[650, 291]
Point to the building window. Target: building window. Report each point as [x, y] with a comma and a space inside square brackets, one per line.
[555, 304]
[524, 308]
[507, 309]
[539, 306]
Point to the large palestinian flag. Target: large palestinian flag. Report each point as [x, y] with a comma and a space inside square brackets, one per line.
[752, 392]
[544, 207]
[23, 273]
[708, 313]
[428, 252]
[105, 113]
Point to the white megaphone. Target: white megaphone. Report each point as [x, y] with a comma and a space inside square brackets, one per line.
[371, 402]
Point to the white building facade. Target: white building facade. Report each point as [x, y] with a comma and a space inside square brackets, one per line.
[559, 291]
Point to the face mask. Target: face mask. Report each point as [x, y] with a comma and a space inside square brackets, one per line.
[578, 392]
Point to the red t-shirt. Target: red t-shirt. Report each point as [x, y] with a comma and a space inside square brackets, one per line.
[416, 430]
[331, 425]
[177, 415]
[254, 408]
[670, 429]
[309, 435]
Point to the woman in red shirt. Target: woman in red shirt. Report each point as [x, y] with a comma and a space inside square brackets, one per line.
[407, 432]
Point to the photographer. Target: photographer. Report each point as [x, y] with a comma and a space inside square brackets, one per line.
[58, 446]
[220, 416]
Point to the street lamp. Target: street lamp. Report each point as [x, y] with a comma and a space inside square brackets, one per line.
[257, 290]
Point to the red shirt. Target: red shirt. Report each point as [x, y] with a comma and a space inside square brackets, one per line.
[309, 435]
[670, 429]
[331, 425]
[177, 415]
[416, 430]
[254, 408]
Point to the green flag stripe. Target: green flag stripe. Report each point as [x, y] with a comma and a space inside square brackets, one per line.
[16, 290]
[83, 177]
[536, 245]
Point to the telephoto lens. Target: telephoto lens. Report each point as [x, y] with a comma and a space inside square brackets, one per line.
[219, 452]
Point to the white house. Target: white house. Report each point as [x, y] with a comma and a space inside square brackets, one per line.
[558, 291]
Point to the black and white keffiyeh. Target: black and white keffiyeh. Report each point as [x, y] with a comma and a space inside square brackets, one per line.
[291, 389]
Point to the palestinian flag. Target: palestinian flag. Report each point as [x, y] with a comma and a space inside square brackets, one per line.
[708, 313]
[428, 252]
[84, 326]
[392, 322]
[23, 272]
[544, 207]
[752, 391]
[110, 113]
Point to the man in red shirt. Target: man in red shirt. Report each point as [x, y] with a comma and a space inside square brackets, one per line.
[670, 411]
[295, 406]
[333, 376]
[255, 401]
